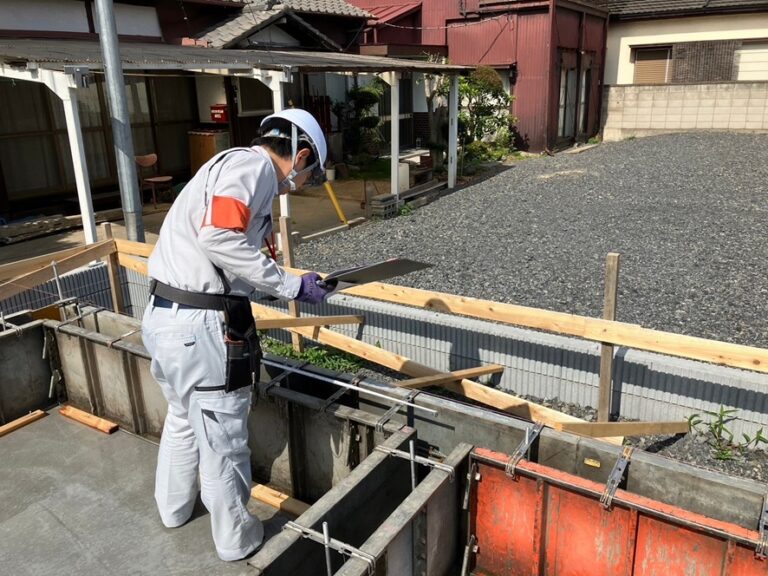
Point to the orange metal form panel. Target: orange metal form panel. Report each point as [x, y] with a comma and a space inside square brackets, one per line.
[508, 523]
[582, 534]
[664, 548]
[545, 522]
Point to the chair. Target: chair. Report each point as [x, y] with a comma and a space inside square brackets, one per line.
[153, 182]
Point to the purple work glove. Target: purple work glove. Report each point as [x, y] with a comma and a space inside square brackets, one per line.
[309, 291]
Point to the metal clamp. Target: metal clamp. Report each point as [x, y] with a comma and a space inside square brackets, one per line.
[333, 398]
[280, 377]
[116, 340]
[762, 545]
[332, 544]
[614, 478]
[387, 416]
[472, 476]
[470, 548]
[531, 434]
[5, 325]
[80, 316]
[418, 459]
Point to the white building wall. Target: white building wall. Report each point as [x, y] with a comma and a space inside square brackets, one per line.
[135, 20]
[623, 36]
[55, 15]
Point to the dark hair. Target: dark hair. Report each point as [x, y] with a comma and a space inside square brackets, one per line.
[278, 145]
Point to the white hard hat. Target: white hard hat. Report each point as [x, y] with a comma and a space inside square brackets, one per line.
[307, 124]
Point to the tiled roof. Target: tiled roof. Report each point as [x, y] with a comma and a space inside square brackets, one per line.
[330, 7]
[258, 13]
[240, 26]
[644, 8]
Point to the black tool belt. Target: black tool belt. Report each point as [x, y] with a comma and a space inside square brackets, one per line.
[240, 336]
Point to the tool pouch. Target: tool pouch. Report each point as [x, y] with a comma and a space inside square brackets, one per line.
[243, 346]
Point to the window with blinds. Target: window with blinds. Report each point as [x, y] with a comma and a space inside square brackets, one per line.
[652, 65]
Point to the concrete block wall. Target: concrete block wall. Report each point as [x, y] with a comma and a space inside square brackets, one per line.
[634, 110]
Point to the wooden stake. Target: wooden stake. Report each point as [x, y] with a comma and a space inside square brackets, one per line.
[598, 429]
[293, 306]
[606, 350]
[113, 268]
[278, 500]
[21, 422]
[88, 419]
[448, 377]
[308, 321]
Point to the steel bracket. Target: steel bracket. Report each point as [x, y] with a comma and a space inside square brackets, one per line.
[333, 544]
[121, 337]
[762, 545]
[531, 435]
[614, 478]
[387, 416]
[469, 549]
[5, 325]
[417, 459]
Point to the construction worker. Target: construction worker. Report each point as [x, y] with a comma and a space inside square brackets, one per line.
[199, 329]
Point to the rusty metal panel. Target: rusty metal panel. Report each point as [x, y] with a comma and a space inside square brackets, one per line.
[568, 25]
[533, 80]
[490, 42]
[550, 523]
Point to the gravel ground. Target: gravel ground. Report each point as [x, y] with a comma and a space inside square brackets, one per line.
[687, 213]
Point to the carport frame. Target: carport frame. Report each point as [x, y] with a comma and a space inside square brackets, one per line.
[64, 65]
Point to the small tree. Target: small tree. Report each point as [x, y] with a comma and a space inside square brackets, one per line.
[358, 120]
[486, 103]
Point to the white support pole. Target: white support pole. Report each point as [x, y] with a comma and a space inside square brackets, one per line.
[453, 130]
[395, 135]
[77, 148]
[277, 105]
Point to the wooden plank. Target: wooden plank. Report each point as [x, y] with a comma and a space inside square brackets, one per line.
[278, 500]
[597, 429]
[21, 422]
[88, 419]
[490, 396]
[594, 329]
[293, 306]
[448, 377]
[32, 279]
[134, 264]
[134, 248]
[606, 350]
[308, 321]
[114, 273]
[30, 264]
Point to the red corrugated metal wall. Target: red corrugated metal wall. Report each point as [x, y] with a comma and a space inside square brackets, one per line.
[533, 74]
[544, 522]
[491, 42]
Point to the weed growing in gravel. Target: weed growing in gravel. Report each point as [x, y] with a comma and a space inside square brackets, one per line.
[316, 355]
[406, 210]
[720, 438]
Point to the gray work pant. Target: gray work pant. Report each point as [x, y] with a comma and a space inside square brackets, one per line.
[205, 432]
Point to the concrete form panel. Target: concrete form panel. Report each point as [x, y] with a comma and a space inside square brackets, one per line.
[25, 374]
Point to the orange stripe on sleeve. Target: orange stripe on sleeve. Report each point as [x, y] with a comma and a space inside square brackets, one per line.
[229, 213]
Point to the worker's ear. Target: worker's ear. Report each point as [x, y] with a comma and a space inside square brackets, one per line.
[303, 154]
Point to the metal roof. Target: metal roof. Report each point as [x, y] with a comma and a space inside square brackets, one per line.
[55, 54]
[650, 8]
[389, 13]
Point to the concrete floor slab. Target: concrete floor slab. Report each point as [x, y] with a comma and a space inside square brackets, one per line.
[76, 501]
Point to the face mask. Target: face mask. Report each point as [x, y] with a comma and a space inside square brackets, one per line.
[288, 182]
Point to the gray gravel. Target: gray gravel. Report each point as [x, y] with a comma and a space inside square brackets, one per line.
[687, 213]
